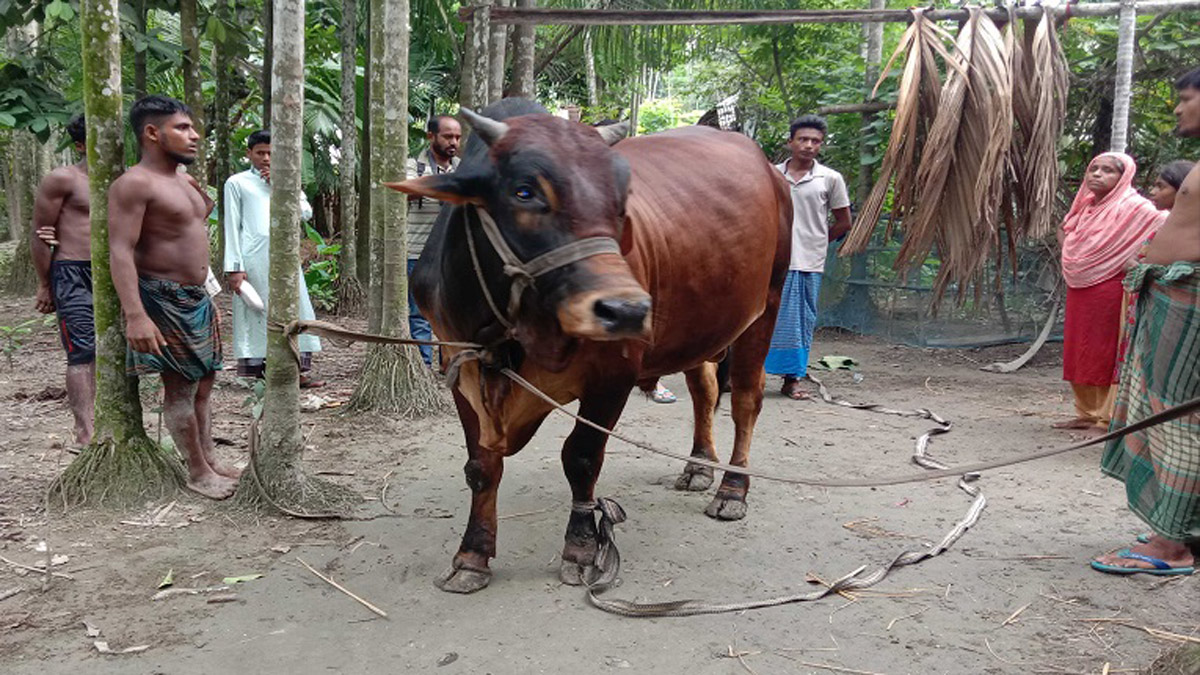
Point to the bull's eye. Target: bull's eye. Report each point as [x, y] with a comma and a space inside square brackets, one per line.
[523, 194]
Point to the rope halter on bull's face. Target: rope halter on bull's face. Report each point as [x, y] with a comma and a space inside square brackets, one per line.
[615, 314]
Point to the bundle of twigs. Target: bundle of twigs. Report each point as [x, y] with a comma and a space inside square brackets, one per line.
[979, 153]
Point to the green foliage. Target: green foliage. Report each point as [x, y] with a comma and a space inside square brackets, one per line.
[321, 275]
[664, 113]
[28, 99]
[12, 338]
[1165, 49]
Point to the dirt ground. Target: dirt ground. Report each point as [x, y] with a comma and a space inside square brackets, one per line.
[1015, 595]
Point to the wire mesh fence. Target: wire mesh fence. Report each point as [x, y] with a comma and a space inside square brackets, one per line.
[864, 294]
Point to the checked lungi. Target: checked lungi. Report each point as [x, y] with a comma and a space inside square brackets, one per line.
[1160, 466]
[794, 326]
[187, 319]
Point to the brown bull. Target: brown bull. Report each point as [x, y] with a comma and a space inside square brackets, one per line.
[703, 225]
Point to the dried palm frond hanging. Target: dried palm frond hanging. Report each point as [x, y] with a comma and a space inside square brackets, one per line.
[1040, 106]
[916, 104]
[954, 157]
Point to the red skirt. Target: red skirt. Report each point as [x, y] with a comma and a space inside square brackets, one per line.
[1091, 332]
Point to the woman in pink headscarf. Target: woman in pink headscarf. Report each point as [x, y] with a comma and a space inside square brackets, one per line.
[1102, 232]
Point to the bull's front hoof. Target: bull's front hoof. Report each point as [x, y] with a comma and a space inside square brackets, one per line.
[695, 478]
[463, 580]
[727, 507]
[574, 574]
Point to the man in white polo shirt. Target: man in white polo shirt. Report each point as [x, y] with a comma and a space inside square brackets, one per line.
[816, 191]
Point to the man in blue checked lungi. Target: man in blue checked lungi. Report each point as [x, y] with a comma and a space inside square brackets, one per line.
[816, 190]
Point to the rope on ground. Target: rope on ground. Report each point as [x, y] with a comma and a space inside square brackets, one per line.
[853, 581]
[1017, 363]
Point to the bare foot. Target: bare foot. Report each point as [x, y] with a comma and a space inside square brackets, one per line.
[1077, 423]
[221, 467]
[792, 389]
[225, 469]
[212, 485]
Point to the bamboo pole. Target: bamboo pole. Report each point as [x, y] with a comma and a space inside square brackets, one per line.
[613, 17]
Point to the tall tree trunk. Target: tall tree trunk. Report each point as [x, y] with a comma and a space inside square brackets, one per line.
[373, 147]
[589, 68]
[350, 292]
[364, 163]
[497, 43]
[268, 59]
[481, 79]
[524, 43]
[856, 306]
[222, 66]
[1123, 87]
[466, 68]
[22, 279]
[193, 93]
[393, 379]
[121, 466]
[139, 57]
[276, 469]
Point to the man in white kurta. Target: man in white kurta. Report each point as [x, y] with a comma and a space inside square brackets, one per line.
[247, 260]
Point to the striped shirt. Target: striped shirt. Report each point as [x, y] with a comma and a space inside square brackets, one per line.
[424, 211]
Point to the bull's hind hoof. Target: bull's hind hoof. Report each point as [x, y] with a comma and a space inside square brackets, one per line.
[574, 574]
[727, 507]
[463, 580]
[695, 478]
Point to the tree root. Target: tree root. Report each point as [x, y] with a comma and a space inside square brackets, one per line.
[111, 473]
[395, 380]
[289, 490]
[351, 298]
[1184, 660]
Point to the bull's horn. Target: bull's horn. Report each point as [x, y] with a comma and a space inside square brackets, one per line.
[488, 129]
[612, 133]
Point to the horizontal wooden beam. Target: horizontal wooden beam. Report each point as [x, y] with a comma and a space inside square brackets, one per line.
[868, 107]
[543, 16]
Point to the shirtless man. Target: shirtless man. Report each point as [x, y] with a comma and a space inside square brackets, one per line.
[1160, 467]
[1179, 237]
[64, 270]
[159, 252]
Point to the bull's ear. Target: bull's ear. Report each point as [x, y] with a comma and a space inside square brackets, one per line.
[455, 188]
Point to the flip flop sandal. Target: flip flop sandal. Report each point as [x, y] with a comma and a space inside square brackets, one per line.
[663, 395]
[1161, 567]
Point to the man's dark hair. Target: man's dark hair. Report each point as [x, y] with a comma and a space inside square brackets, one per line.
[435, 123]
[1189, 81]
[1173, 173]
[258, 138]
[808, 122]
[153, 109]
[77, 129]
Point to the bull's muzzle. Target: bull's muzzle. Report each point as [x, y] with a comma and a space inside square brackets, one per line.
[609, 314]
[622, 317]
